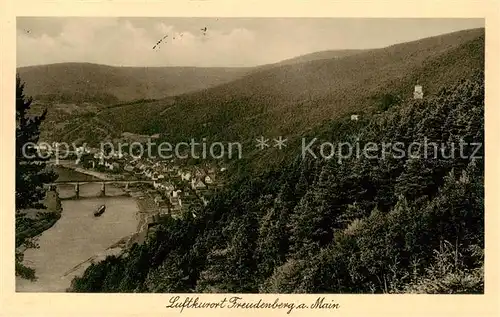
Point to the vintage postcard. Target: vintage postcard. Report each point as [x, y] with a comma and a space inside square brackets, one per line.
[207, 158]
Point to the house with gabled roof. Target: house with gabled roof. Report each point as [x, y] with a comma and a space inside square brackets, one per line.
[197, 183]
[209, 179]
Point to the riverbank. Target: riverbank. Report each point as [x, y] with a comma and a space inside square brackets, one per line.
[29, 228]
[96, 174]
[139, 236]
[146, 208]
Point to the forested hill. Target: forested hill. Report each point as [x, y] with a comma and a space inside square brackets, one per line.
[108, 85]
[369, 224]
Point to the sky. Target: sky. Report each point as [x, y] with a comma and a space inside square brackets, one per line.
[227, 42]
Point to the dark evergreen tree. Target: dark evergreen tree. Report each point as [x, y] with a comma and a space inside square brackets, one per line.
[30, 177]
[30, 167]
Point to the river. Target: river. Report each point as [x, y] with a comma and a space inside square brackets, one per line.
[78, 236]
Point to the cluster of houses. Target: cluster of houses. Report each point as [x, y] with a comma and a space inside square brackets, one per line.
[175, 187]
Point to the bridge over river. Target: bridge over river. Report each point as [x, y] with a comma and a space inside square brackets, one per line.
[103, 183]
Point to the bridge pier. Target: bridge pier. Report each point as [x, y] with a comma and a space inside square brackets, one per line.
[77, 191]
[126, 185]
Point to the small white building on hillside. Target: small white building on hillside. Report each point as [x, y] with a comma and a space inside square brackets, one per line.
[418, 92]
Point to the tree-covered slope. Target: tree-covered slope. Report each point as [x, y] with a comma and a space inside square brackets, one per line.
[103, 84]
[290, 100]
[87, 82]
[370, 224]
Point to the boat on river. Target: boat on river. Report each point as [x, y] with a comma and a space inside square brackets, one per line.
[100, 211]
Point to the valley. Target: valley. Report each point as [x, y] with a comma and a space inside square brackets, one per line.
[274, 220]
[290, 99]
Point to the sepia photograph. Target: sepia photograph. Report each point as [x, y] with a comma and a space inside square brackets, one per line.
[222, 160]
[249, 155]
